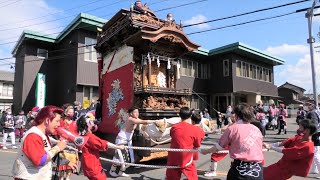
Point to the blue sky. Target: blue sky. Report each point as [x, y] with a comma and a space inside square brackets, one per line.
[284, 37]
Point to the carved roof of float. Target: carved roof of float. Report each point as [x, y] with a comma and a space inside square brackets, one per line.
[151, 28]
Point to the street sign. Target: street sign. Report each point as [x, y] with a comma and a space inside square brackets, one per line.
[41, 90]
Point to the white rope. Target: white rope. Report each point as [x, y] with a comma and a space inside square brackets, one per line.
[139, 165]
[69, 147]
[161, 142]
[177, 150]
[163, 149]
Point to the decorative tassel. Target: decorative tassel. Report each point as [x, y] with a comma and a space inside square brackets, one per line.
[178, 70]
[149, 59]
[168, 65]
[158, 61]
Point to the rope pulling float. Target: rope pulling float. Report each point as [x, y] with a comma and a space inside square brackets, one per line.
[154, 149]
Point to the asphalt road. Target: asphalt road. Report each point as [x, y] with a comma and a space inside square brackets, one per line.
[7, 157]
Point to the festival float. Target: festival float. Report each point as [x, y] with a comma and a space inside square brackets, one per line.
[138, 63]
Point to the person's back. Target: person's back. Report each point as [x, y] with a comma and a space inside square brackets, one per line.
[184, 135]
[187, 136]
[246, 142]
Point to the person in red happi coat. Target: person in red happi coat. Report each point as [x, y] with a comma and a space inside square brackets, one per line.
[184, 135]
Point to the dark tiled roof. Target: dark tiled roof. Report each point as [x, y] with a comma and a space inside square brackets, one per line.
[292, 86]
[6, 76]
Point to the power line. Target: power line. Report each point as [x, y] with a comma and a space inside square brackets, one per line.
[223, 27]
[160, 1]
[40, 17]
[5, 2]
[44, 22]
[111, 14]
[181, 5]
[94, 9]
[10, 3]
[243, 23]
[247, 13]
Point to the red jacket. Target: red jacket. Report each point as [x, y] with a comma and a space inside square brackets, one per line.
[184, 136]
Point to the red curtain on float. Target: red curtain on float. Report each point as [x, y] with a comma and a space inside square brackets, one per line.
[125, 76]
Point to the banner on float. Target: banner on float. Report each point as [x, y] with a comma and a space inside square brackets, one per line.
[41, 90]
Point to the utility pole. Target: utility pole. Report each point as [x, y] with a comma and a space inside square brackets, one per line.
[311, 40]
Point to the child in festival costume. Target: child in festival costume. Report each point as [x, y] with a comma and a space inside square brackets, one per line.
[90, 163]
[68, 155]
[127, 123]
[34, 160]
[216, 157]
[244, 141]
[184, 136]
[297, 152]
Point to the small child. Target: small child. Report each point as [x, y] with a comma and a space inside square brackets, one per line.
[90, 162]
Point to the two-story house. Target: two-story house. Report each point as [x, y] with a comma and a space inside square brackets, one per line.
[229, 75]
[6, 89]
[291, 94]
[68, 61]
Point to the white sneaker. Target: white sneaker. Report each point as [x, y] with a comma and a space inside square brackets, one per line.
[14, 147]
[4, 147]
[210, 174]
[122, 174]
[113, 174]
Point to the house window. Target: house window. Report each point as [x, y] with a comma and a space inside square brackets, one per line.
[198, 102]
[42, 53]
[7, 90]
[254, 72]
[194, 69]
[238, 70]
[189, 70]
[267, 75]
[184, 67]
[270, 75]
[90, 53]
[264, 76]
[90, 93]
[258, 73]
[205, 70]
[261, 73]
[226, 67]
[245, 69]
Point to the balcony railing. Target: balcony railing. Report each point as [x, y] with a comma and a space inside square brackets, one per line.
[160, 90]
